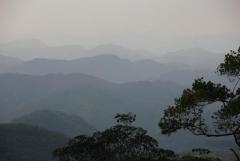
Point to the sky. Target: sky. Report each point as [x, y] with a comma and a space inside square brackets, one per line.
[156, 25]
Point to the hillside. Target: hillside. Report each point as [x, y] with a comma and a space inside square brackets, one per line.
[7, 62]
[69, 125]
[111, 68]
[108, 67]
[95, 100]
[28, 49]
[19, 142]
[110, 62]
[195, 57]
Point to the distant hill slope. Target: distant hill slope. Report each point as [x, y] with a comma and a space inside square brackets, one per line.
[94, 99]
[115, 69]
[33, 48]
[195, 57]
[108, 67]
[7, 62]
[19, 142]
[69, 125]
[110, 62]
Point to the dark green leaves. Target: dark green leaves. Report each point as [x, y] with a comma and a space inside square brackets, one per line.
[125, 119]
[118, 143]
[231, 64]
[188, 110]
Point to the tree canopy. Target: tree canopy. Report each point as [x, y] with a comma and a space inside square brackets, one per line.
[122, 142]
[119, 143]
[188, 110]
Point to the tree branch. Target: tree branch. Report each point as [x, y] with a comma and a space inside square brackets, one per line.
[235, 154]
[235, 86]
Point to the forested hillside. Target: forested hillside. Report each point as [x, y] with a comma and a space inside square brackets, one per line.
[19, 142]
[69, 125]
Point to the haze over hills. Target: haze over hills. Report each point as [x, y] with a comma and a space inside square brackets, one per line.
[111, 80]
[7, 62]
[69, 125]
[28, 49]
[108, 64]
[93, 99]
[194, 57]
[108, 67]
[97, 86]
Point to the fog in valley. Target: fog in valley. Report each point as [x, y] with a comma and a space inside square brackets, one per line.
[67, 68]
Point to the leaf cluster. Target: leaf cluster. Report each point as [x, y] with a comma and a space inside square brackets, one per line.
[188, 110]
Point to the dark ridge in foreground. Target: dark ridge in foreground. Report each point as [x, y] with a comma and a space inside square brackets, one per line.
[19, 142]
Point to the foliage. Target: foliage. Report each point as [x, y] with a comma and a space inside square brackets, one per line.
[125, 119]
[231, 64]
[201, 151]
[188, 110]
[118, 143]
[122, 142]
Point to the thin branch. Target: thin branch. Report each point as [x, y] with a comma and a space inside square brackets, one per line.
[235, 86]
[236, 140]
[213, 135]
[235, 154]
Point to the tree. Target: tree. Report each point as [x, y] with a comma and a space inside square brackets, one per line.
[121, 142]
[188, 110]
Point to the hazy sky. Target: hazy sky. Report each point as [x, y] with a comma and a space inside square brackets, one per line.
[148, 24]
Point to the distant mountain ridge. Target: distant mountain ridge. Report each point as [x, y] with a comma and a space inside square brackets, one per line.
[33, 48]
[28, 49]
[195, 57]
[96, 100]
[108, 67]
[69, 125]
[7, 62]
[109, 62]
[93, 99]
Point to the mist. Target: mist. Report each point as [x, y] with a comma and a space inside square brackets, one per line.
[158, 26]
[118, 80]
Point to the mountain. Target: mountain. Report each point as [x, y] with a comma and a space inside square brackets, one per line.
[120, 51]
[28, 49]
[108, 67]
[187, 77]
[194, 57]
[69, 125]
[19, 90]
[7, 62]
[94, 100]
[110, 62]
[23, 44]
[19, 142]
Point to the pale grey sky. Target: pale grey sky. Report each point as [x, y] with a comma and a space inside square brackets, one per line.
[148, 24]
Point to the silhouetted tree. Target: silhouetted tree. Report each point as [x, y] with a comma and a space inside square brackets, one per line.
[125, 119]
[201, 151]
[188, 110]
[122, 142]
